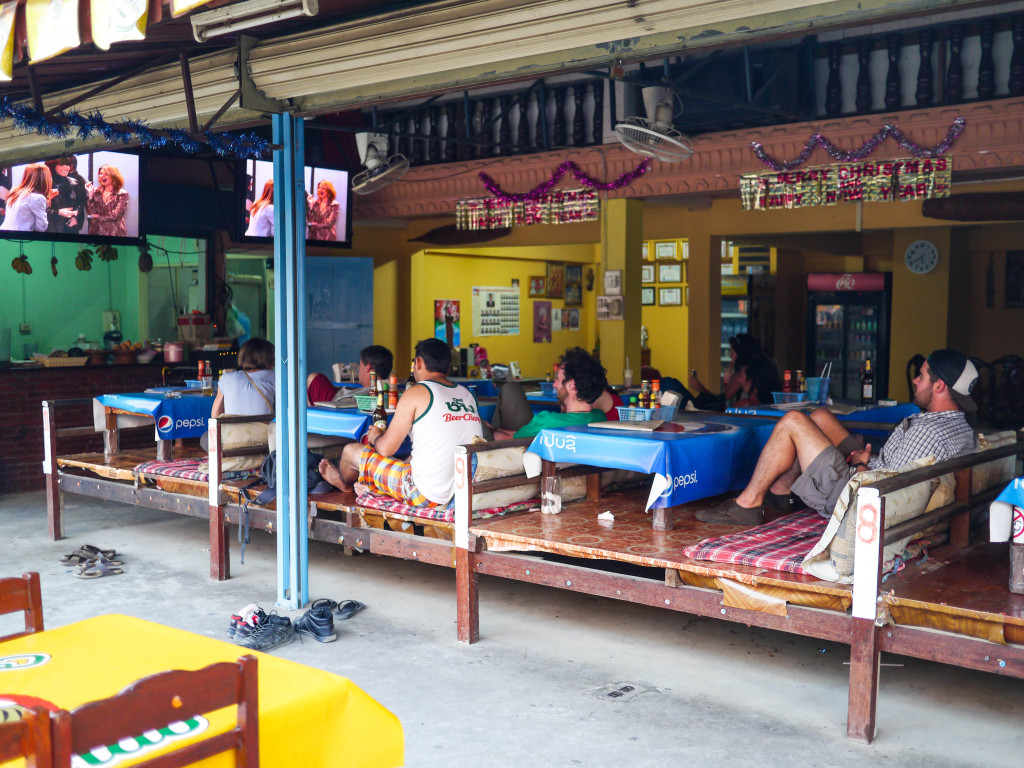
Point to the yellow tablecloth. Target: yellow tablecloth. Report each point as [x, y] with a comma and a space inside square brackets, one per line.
[308, 717]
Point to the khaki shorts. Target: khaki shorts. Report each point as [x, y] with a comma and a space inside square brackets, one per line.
[822, 482]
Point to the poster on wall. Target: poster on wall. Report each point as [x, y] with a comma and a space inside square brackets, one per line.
[446, 322]
[541, 321]
[571, 319]
[495, 311]
[556, 320]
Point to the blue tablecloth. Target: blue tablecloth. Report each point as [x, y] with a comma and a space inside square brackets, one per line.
[714, 455]
[175, 417]
[880, 414]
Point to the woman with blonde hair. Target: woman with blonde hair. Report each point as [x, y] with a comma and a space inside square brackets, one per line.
[323, 213]
[26, 203]
[107, 203]
[261, 215]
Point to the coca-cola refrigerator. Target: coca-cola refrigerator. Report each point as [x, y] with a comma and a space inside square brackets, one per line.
[847, 325]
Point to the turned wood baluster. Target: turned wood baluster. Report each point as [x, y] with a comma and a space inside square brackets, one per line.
[893, 87]
[451, 114]
[397, 142]
[558, 139]
[1017, 57]
[597, 88]
[862, 100]
[986, 66]
[542, 116]
[504, 125]
[577, 116]
[433, 131]
[523, 127]
[925, 92]
[834, 87]
[479, 121]
[955, 68]
[419, 149]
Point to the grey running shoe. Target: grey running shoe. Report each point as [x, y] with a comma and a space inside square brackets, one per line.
[245, 622]
[274, 632]
[317, 623]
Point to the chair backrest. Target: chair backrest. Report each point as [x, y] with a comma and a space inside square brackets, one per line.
[913, 368]
[22, 593]
[164, 698]
[28, 738]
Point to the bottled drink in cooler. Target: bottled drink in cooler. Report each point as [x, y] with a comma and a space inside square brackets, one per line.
[867, 385]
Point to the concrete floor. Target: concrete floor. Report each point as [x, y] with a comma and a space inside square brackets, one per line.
[714, 693]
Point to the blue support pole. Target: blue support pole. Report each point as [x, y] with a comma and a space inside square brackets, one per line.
[290, 372]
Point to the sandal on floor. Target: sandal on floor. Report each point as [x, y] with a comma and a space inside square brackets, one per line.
[83, 556]
[95, 569]
[731, 513]
[110, 554]
[348, 608]
[323, 602]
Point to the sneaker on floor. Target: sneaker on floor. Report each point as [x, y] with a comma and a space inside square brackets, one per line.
[274, 632]
[242, 624]
[731, 513]
[317, 623]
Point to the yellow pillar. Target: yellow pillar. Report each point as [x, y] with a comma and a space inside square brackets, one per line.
[622, 241]
[705, 309]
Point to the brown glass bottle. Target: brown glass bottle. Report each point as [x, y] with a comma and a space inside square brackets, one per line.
[380, 414]
[867, 385]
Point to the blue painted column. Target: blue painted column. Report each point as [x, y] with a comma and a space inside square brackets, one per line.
[290, 372]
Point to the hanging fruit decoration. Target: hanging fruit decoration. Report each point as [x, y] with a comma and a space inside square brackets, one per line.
[84, 260]
[106, 252]
[53, 265]
[145, 260]
[21, 265]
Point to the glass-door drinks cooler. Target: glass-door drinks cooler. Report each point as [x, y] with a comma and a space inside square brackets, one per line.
[848, 324]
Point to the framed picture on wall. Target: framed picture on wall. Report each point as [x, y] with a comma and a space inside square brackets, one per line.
[647, 296]
[1014, 297]
[573, 285]
[538, 286]
[646, 252]
[670, 297]
[613, 282]
[610, 307]
[647, 273]
[665, 249]
[670, 273]
[556, 281]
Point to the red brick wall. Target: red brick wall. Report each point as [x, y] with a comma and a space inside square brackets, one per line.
[22, 392]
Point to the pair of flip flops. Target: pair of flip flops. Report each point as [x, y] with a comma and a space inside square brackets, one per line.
[346, 609]
[92, 562]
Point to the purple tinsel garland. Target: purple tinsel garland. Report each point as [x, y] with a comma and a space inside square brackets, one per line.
[869, 146]
[587, 181]
[58, 126]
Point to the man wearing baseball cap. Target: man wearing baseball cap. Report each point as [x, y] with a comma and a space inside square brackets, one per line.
[813, 456]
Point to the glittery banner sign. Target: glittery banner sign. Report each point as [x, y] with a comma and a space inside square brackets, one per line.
[905, 179]
[565, 207]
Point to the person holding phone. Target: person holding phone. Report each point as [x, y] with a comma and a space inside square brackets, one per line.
[107, 203]
[322, 216]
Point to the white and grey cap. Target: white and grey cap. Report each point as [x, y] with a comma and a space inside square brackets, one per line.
[959, 374]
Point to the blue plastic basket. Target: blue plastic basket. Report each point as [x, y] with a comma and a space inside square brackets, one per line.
[627, 413]
[789, 397]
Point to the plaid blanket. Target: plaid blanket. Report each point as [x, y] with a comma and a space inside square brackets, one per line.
[779, 545]
[445, 513]
[187, 469]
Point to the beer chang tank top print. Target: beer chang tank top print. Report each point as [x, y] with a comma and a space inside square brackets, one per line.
[451, 419]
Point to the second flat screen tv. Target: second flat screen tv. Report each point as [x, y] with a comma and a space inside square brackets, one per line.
[327, 204]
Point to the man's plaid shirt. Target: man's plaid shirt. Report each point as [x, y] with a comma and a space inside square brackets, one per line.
[942, 434]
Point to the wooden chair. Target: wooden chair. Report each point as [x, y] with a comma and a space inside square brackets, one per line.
[913, 368]
[22, 593]
[28, 738]
[167, 697]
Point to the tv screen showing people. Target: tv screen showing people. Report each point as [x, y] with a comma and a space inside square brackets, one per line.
[326, 202]
[93, 194]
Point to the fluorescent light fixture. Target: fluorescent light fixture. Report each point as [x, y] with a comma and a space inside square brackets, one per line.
[248, 14]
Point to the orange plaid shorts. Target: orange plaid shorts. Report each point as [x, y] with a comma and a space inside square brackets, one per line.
[392, 477]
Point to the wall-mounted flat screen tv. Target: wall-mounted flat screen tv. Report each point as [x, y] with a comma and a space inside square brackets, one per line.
[89, 196]
[328, 204]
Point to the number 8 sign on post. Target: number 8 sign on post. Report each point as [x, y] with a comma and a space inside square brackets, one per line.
[866, 552]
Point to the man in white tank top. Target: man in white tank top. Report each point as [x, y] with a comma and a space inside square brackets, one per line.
[437, 415]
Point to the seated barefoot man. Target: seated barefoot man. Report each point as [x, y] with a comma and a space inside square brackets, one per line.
[437, 415]
[814, 456]
[372, 358]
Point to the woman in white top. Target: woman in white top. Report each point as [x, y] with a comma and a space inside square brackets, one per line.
[261, 215]
[26, 203]
[249, 391]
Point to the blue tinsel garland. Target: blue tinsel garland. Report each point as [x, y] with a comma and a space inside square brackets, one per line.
[85, 126]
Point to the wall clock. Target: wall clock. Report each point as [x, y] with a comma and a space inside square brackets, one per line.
[921, 257]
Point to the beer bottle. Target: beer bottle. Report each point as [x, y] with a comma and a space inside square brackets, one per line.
[412, 375]
[801, 384]
[393, 392]
[373, 383]
[867, 385]
[380, 415]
